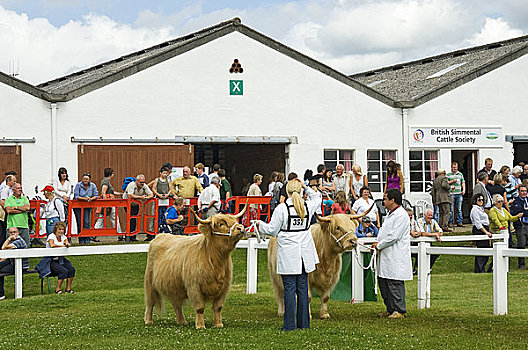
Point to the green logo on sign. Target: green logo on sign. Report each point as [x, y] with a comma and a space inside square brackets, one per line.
[236, 87]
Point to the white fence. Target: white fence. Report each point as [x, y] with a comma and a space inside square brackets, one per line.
[499, 252]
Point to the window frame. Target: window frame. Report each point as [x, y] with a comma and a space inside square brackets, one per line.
[423, 171]
[339, 160]
[382, 168]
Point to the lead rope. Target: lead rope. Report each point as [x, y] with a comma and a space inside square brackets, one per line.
[227, 234]
[373, 260]
[254, 227]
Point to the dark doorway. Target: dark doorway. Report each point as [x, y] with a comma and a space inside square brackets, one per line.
[467, 165]
[520, 152]
[242, 161]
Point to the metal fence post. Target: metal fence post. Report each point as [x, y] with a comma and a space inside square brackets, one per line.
[18, 278]
[500, 279]
[251, 278]
[424, 268]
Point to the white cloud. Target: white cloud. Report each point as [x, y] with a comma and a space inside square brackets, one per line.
[348, 35]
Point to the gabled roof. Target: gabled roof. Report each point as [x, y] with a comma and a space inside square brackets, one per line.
[82, 82]
[414, 83]
[23, 86]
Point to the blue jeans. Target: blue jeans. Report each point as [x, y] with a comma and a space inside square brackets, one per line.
[435, 213]
[456, 208]
[85, 223]
[296, 287]
[50, 223]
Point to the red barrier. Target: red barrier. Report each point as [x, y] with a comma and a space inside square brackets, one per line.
[36, 205]
[260, 204]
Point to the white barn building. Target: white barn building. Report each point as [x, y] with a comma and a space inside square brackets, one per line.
[179, 102]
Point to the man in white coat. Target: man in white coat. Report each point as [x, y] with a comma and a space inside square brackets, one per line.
[394, 249]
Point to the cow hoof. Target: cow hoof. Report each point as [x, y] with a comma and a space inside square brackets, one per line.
[220, 325]
[149, 322]
[200, 327]
[182, 323]
[325, 316]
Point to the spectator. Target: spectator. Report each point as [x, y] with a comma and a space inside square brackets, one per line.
[296, 253]
[366, 228]
[274, 189]
[216, 169]
[340, 205]
[515, 179]
[187, 185]
[480, 221]
[498, 187]
[254, 190]
[283, 194]
[60, 266]
[272, 182]
[62, 186]
[308, 173]
[108, 191]
[499, 217]
[201, 175]
[327, 183]
[416, 231]
[225, 191]
[488, 164]
[316, 181]
[394, 177]
[440, 194]
[85, 191]
[6, 174]
[428, 227]
[358, 182]
[137, 190]
[458, 188]
[245, 186]
[53, 210]
[6, 191]
[511, 191]
[364, 203]
[482, 189]
[341, 181]
[394, 251]
[13, 241]
[174, 219]
[17, 207]
[162, 189]
[524, 175]
[520, 205]
[209, 200]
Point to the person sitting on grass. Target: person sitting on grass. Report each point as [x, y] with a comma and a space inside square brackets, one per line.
[58, 266]
[366, 228]
[173, 218]
[14, 241]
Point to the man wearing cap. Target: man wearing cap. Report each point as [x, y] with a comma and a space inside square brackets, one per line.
[53, 211]
[17, 207]
[366, 228]
[441, 198]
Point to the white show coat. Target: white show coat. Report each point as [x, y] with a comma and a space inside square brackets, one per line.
[293, 248]
[394, 245]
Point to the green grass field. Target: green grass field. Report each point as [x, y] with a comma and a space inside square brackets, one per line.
[107, 312]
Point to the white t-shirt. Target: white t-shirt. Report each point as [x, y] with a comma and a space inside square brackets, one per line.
[211, 193]
[360, 206]
[52, 236]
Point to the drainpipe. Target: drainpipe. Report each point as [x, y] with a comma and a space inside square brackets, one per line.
[53, 107]
[405, 149]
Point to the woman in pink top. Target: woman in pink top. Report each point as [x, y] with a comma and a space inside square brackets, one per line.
[394, 177]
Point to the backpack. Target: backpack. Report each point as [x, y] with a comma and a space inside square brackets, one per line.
[275, 195]
[126, 181]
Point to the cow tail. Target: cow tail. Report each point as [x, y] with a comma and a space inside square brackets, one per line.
[152, 295]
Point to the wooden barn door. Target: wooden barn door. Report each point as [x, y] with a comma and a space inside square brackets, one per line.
[11, 159]
[130, 160]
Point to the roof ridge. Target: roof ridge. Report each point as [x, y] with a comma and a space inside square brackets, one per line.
[459, 52]
[234, 21]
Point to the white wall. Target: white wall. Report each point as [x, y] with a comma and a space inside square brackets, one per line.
[189, 95]
[24, 116]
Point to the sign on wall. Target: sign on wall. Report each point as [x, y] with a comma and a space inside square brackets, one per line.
[447, 137]
[236, 87]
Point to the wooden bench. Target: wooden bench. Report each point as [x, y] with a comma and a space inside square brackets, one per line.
[26, 272]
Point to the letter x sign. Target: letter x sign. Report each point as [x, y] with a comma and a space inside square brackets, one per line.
[236, 87]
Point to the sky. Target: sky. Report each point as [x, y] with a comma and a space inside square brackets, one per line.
[46, 39]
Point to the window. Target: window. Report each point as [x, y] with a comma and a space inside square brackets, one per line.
[377, 168]
[423, 166]
[332, 157]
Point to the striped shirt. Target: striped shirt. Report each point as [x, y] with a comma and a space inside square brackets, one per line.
[430, 227]
[19, 243]
[456, 187]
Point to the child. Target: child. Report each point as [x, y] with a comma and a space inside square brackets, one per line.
[340, 206]
[173, 218]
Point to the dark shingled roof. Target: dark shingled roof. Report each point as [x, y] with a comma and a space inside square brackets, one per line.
[408, 83]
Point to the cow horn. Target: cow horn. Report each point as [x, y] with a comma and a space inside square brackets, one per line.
[352, 217]
[322, 218]
[243, 211]
[200, 220]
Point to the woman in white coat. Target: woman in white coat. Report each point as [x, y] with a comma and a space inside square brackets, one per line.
[296, 253]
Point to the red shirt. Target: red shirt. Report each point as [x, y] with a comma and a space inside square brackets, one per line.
[337, 209]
